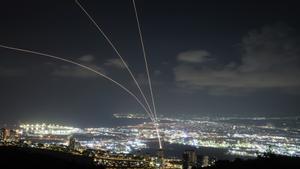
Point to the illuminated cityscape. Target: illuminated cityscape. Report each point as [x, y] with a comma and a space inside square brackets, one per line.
[240, 137]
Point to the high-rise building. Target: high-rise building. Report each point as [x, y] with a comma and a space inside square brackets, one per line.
[13, 135]
[5, 133]
[160, 158]
[73, 144]
[189, 159]
[160, 153]
[205, 161]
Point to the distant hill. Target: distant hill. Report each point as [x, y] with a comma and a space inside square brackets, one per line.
[271, 161]
[17, 157]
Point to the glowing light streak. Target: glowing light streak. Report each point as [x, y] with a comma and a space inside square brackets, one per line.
[118, 53]
[145, 58]
[82, 66]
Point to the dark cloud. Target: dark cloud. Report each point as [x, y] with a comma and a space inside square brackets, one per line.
[87, 58]
[197, 56]
[157, 72]
[76, 71]
[143, 80]
[270, 60]
[116, 63]
[8, 71]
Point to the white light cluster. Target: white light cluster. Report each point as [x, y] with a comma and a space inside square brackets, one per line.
[48, 129]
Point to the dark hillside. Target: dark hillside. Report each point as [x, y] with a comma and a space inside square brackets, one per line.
[17, 157]
[264, 162]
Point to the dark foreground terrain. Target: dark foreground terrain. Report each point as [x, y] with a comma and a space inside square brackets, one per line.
[16, 157]
[266, 161]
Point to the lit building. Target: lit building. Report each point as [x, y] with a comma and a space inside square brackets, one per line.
[172, 164]
[13, 135]
[4, 134]
[160, 158]
[50, 129]
[8, 135]
[73, 144]
[205, 161]
[189, 159]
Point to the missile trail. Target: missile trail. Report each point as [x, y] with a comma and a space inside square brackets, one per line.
[145, 58]
[148, 74]
[158, 136]
[84, 67]
[117, 52]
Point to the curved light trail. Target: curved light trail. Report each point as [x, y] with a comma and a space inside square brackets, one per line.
[145, 58]
[117, 52]
[148, 74]
[84, 67]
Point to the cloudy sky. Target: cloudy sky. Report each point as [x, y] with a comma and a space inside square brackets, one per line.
[206, 59]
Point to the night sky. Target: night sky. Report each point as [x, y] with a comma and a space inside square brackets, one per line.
[207, 58]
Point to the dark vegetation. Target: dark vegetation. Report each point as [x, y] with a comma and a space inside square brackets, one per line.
[20, 157]
[265, 161]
